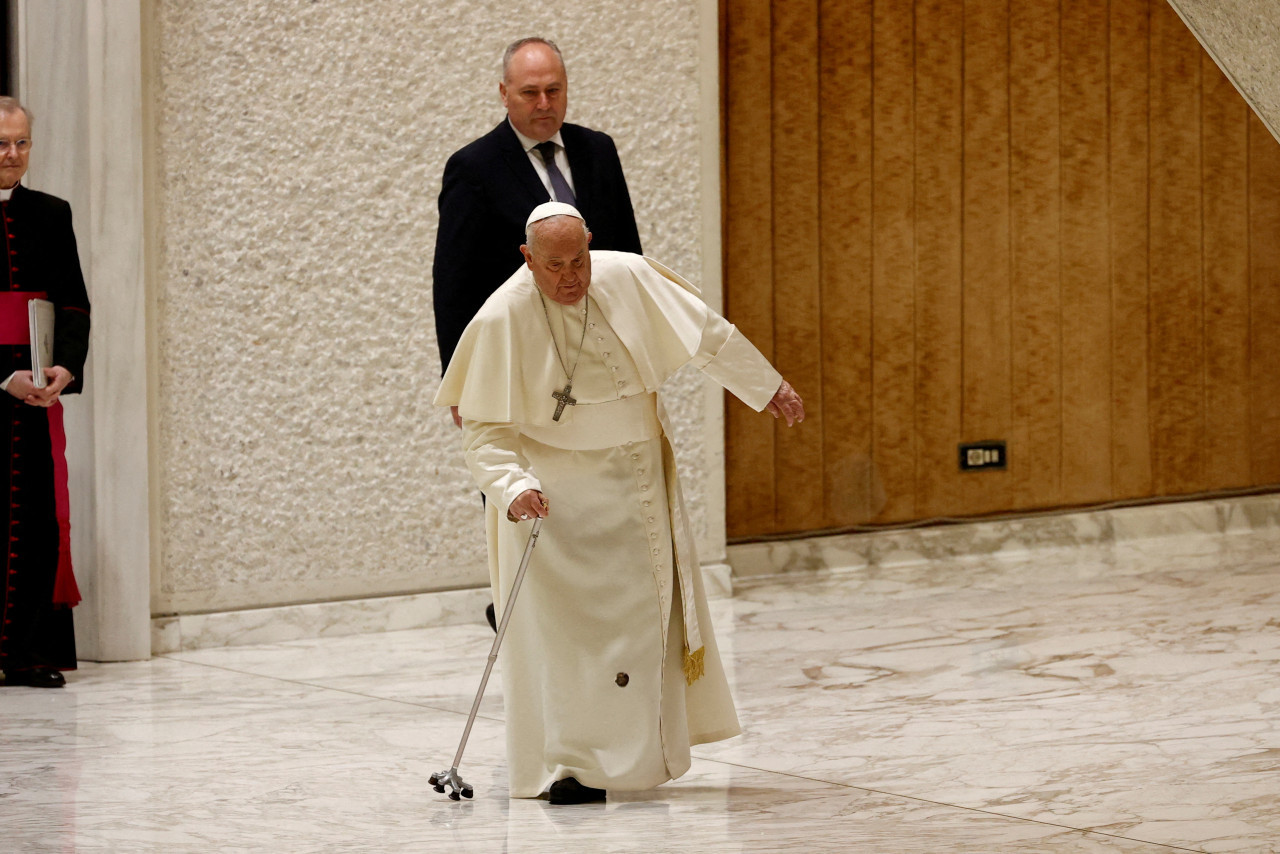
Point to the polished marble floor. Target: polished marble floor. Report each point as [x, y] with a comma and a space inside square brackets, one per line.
[1118, 699]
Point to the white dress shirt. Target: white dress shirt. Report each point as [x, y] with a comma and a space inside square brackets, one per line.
[562, 160]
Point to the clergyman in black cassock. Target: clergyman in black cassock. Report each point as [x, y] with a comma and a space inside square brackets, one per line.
[37, 587]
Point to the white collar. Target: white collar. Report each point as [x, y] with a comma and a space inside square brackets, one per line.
[6, 195]
[528, 142]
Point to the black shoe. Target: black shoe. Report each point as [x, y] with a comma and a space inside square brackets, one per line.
[35, 677]
[491, 616]
[570, 791]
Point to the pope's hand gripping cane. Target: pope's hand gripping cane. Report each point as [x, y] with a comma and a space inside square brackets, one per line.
[450, 778]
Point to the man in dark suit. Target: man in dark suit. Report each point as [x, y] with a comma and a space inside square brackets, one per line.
[37, 588]
[492, 184]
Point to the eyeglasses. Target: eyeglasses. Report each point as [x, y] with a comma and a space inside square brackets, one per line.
[22, 146]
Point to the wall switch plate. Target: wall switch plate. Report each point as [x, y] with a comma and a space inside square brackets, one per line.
[982, 456]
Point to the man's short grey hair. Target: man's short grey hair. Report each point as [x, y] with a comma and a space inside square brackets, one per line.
[516, 45]
[12, 105]
[531, 230]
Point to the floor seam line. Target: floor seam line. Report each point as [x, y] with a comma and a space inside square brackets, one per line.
[347, 691]
[918, 799]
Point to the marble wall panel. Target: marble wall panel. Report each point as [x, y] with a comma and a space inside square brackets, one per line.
[79, 70]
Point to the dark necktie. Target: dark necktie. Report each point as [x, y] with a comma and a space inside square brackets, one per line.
[559, 186]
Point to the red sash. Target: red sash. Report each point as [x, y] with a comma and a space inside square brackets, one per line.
[15, 330]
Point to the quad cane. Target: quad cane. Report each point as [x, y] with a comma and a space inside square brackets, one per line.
[450, 778]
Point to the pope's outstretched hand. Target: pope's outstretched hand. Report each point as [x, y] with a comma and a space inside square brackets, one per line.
[786, 404]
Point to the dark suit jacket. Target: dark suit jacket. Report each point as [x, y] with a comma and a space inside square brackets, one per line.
[46, 259]
[488, 191]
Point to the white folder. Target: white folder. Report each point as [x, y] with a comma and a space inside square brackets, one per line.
[40, 314]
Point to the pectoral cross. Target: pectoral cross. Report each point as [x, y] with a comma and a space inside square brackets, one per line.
[563, 398]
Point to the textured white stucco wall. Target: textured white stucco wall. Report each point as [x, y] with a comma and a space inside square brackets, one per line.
[1243, 37]
[298, 152]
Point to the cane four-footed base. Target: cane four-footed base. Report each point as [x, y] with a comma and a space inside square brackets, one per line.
[450, 778]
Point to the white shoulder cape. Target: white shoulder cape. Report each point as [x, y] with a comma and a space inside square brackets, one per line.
[505, 364]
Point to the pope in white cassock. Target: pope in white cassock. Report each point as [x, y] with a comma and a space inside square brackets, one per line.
[610, 671]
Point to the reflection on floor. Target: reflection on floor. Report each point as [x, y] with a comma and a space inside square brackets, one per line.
[1114, 699]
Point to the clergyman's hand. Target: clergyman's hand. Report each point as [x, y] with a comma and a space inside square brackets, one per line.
[457, 419]
[786, 404]
[528, 504]
[22, 387]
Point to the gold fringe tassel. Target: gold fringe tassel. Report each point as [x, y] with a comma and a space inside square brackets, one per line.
[695, 664]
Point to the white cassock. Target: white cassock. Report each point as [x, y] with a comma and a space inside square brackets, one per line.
[609, 667]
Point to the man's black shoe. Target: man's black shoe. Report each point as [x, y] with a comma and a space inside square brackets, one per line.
[491, 617]
[35, 677]
[570, 791]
